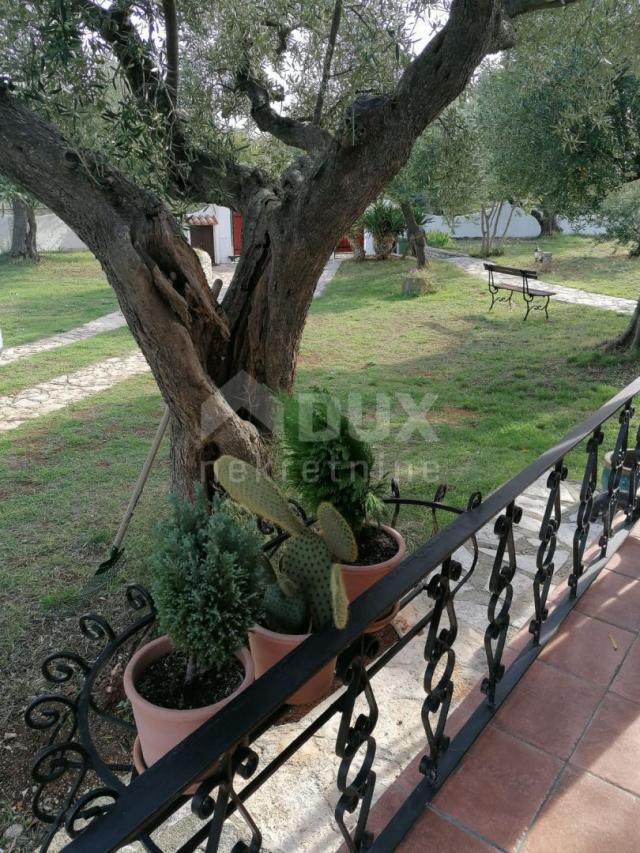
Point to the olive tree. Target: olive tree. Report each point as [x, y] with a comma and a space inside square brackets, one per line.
[170, 82]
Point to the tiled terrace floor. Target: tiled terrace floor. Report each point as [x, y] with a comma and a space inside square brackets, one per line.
[559, 767]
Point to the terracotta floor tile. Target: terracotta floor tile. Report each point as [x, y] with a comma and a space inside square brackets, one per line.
[434, 834]
[586, 647]
[627, 681]
[610, 748]
[498, 788]
[626, 560]
[613, 598]
[586, 815]
[550, 709]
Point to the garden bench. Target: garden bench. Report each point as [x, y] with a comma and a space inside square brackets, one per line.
[528, 293]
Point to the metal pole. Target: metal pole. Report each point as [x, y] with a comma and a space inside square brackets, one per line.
[116, 549]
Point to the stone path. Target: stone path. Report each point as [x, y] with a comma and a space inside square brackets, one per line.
[51, 396]
[107, 323]
[328, 273]
[572, 295]
[294, 809]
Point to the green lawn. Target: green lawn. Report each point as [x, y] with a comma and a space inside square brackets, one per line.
[64, 290]
[582, 262]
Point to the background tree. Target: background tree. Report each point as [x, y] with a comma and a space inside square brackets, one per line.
[170, 82]
[24, 225]
[559, 127]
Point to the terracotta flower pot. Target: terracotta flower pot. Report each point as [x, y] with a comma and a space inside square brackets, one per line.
[269, 647]
[359, 578]
[160, 729]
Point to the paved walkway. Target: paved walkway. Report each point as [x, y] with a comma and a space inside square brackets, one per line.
[559, 766]
[107, 323]
[51, 396]
[572, 295]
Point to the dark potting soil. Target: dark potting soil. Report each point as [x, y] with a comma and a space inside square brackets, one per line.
[374, 546]
[163, 683]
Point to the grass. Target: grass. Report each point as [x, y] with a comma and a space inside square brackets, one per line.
[64, 290]
[499, 392]
[582, 262]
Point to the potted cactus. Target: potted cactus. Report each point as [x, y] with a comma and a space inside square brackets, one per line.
[328, 461]
[203, 585]
[303, 590]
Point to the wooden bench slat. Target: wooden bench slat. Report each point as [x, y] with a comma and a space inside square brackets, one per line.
[511, 270]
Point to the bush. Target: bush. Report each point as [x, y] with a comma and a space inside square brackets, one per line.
[203, 580]
[385, 222]
[621, 217]
[440, 239]
[327, 461]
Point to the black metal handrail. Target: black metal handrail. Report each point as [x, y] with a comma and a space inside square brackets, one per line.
[154, 795]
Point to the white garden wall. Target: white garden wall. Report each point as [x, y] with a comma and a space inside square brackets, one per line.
[52, 235]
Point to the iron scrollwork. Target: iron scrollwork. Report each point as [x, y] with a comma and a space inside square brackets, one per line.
[548, 537]
[583, 521]
[352, 737]
[68, 755]
[439, 649]
[618, 458]
[242, 761]
[633, 501]
[501, 590]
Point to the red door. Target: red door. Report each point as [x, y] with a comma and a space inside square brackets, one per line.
[237, 233]
[345, 246]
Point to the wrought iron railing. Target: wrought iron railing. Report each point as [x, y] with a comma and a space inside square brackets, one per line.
[117, 812]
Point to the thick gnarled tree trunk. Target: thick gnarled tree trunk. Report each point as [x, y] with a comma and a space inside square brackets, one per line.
[23, 231]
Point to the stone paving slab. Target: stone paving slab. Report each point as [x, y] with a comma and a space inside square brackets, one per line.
[56, 394]
[107, 323]
[570, 295]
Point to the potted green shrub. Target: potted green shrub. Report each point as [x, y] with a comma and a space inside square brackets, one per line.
[303, 588]
[203, 573]
[327, 461]
[385, 222]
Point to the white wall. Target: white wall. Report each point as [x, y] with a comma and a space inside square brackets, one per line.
[223, 235]
[52, 234]
[582, 225]
[522, 224]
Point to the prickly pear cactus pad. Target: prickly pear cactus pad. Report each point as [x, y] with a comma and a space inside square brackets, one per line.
[337, 534]
[289, 615]
[307, 559]
[256, 492]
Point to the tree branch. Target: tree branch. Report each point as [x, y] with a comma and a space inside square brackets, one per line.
[328, 57]
[308, 137]
[172, 47]
[513, 8]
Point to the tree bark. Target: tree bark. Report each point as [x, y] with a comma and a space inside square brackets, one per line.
[24, 230]
[630, 339]
[547, 220]
[416, 235]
